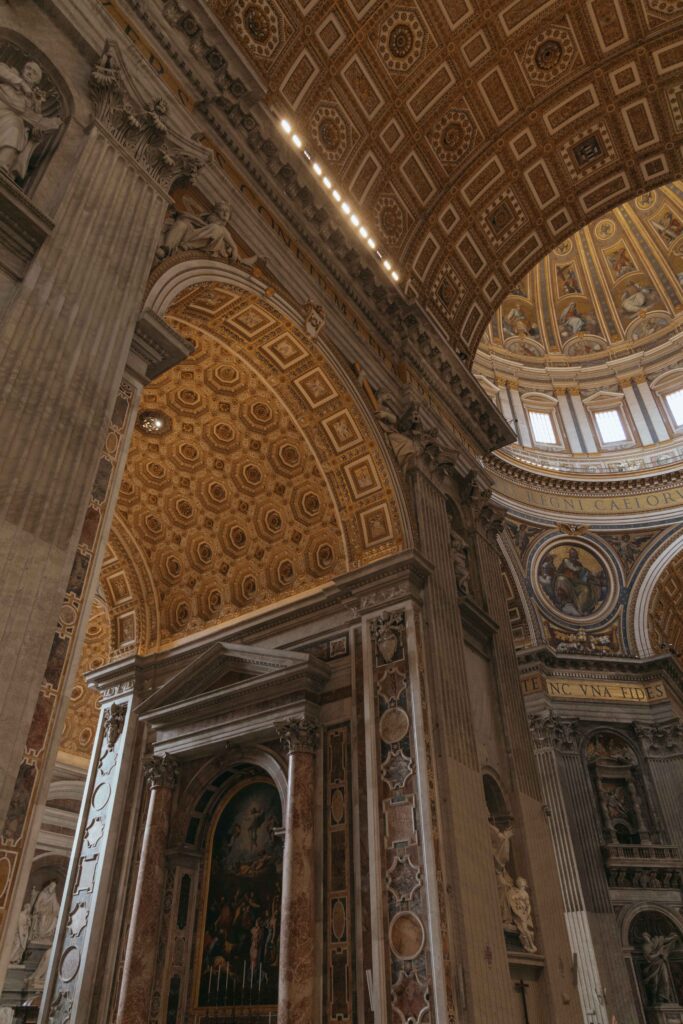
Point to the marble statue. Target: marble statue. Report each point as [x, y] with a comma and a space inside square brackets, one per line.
[206, 232]
[520, 905]
[500, 843]
[460, 562]
[21, 123]
[36, 982]
[656, 950]
[21, 935]
[45, 912]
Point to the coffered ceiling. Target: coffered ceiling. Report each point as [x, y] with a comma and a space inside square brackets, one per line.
[472, 137]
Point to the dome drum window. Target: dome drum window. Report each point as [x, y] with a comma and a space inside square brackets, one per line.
[610, 419]
[544, 423]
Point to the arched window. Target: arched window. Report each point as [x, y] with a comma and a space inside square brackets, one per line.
[657, 953]
[238, 954]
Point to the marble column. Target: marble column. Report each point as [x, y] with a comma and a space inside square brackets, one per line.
[297, 930]
[138, 969]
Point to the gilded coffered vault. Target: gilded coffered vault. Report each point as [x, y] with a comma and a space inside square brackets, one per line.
[265, 480]
[551, 112]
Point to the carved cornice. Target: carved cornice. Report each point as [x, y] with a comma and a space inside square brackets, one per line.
[551, 731]
[550, 482]
[23, 229]
[140, 127]
[155, 348]
[160, 771]
[299, 735]
[665, 739]
[256, 146]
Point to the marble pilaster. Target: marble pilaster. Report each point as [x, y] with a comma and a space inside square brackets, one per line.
[297, 930]
[138, 969]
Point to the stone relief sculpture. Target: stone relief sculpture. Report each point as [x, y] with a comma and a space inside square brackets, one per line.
[45, 913]
[656, 950]
[21, 935]
[459, 552]
[206, 232]
[22, 124]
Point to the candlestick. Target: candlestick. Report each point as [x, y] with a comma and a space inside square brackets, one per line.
[210, 977]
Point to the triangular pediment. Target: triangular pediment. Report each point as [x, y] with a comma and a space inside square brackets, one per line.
[229, 667]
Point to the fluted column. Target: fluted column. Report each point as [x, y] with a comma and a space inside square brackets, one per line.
[64, 342]
[297, 931]
[138, 969]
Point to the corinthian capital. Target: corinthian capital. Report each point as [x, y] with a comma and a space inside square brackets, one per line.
[299, 735]
[161, 771]
[140, 126]
[553, 731]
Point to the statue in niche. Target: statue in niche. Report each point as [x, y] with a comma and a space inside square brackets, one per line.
[459, 552]
[500, 844]
[45, 913]
[21, 935]
[656, 950]
[22, 123]
[206, 232]
[520, 906]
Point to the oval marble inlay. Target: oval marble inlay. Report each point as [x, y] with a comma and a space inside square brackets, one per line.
[337, 806]
[69, 964]
[100, 797]
[406, 935]
[393, 725]
[338, 920]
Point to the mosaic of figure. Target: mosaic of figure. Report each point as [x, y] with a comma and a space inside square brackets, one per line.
[637, 297]
[567, 280]
[668, 225]
[620, 261]
[573, 580]
[573, 321]
[242, 924]
[22, 123]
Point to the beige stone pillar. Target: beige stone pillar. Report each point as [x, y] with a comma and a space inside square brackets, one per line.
[64, 342]
[138, 969]
[297, 929]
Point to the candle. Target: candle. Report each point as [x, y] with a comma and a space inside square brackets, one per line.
[244, 976]
[210, 977]
[260, 977]
[218, 981]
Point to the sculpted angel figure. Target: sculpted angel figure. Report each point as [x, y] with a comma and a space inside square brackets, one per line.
[21, 122]
[207, 232]
[500, 845]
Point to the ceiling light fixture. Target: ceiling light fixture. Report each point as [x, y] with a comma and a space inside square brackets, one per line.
[317, 169]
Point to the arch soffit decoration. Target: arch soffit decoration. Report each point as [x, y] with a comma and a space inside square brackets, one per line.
[643, 594]
[246, 335]
[522, 187]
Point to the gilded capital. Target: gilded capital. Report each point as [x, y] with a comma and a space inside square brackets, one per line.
[298, 735]
[553, 731]
[161, 771]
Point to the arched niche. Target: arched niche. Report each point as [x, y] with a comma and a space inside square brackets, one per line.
[654, 942]
[620, 790]
[35, 108]
[643, 635]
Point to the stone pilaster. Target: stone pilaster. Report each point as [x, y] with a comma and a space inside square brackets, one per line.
[137, 979]
[66, 337]
[296, 1003]
[601, 978]
[662, 746]
[88, 920]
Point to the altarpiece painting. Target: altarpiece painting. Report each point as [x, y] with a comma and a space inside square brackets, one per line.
[241, 926]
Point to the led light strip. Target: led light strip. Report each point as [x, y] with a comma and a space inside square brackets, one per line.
[346, 209]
